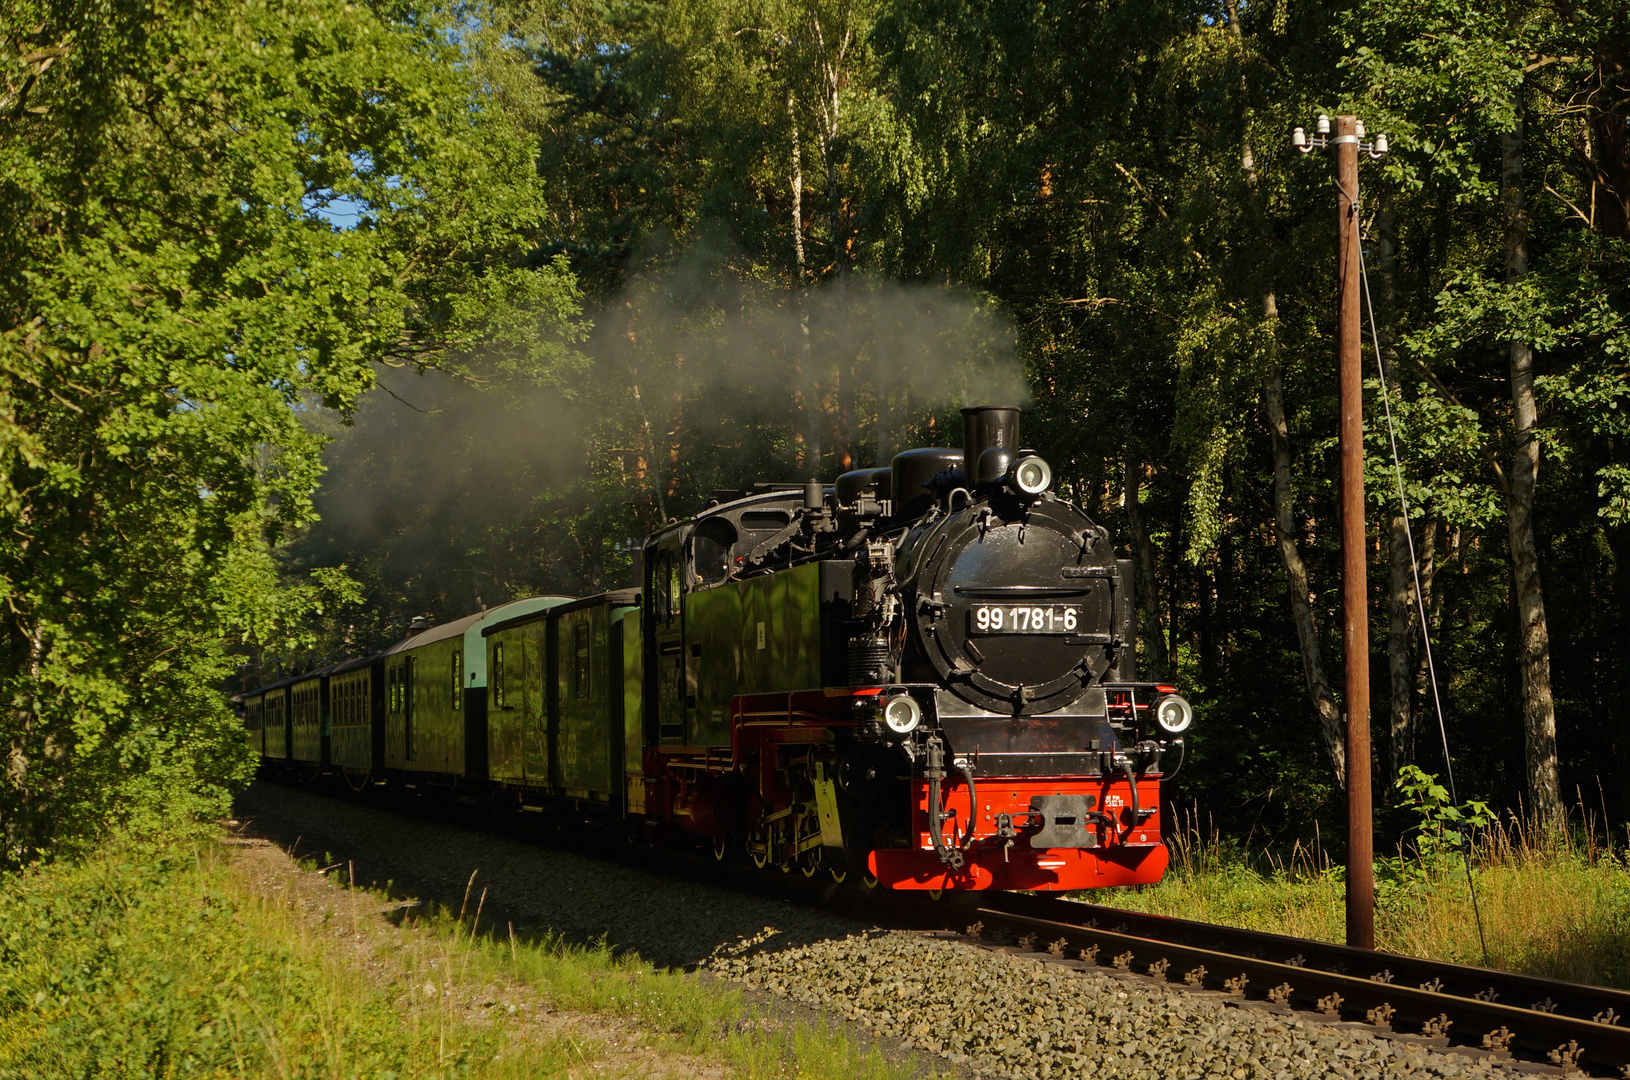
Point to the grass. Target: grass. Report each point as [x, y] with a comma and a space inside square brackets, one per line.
[1555, 905]
[162, 960]
[686, 1014]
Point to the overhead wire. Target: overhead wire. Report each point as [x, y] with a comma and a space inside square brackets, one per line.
[1415, 571]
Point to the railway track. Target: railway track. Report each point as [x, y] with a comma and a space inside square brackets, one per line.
[1540, 1025]
[1566, 1026]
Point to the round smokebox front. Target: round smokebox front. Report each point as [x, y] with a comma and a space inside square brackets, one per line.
[1018, 617]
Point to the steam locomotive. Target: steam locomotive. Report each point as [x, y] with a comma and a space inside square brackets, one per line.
[922, 675]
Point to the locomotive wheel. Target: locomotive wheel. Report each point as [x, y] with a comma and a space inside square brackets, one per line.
[356, 781]
[838, 875]
[936, 894]
[719, 845]
[868, 883]
[760, 859]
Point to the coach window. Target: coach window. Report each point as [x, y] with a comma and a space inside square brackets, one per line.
[580, 674]
[498, 675]
[410, 706]
[458, 679]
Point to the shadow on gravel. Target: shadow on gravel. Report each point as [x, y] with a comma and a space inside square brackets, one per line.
[660, 912]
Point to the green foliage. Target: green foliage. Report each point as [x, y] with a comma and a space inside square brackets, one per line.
[1437, 817]
[152, 962]
[171, 297]
[1442, 837]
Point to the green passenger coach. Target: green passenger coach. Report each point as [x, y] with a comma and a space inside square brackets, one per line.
[559, 713]
[435, 694]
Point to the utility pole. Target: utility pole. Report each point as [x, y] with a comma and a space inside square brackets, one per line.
[1355, 610]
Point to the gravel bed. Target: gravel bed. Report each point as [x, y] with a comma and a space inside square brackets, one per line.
[976, 1012]
[1015, 1016]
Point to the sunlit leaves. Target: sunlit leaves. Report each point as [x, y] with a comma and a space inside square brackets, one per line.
[169, 300]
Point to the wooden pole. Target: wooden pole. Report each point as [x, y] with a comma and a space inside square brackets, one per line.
[1356, 628]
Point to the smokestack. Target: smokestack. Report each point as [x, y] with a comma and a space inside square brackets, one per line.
[985, 427]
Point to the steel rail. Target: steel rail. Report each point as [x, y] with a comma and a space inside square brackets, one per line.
[1453, 1006]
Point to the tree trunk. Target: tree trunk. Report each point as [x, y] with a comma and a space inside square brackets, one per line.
[807, 456]
[1400, 660]
[1155, 662]
[797, 194]
[1174, 566]
[1401, 619]
[1431, 602]
[645, 464]
[1534, 645]
[833, 56]
[1331, 727]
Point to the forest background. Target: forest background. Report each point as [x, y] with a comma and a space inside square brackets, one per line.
[315, 317]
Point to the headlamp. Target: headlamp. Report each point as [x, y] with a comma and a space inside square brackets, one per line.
[1032, 475]
[902, 714]
[1173, 714]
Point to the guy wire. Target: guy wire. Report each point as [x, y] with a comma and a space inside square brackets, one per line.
[1415, 571]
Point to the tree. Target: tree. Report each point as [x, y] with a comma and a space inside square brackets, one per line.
[1533, 284]
[171, 295]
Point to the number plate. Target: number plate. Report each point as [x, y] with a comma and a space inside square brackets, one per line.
[1023, 619]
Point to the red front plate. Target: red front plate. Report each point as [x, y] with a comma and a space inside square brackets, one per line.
[1052, 870]
[1130, 853]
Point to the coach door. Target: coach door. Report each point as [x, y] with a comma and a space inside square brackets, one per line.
[665, 653]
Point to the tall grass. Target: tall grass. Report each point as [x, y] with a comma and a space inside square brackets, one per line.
[1552, 903]
[148, 960]
[155, 961]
